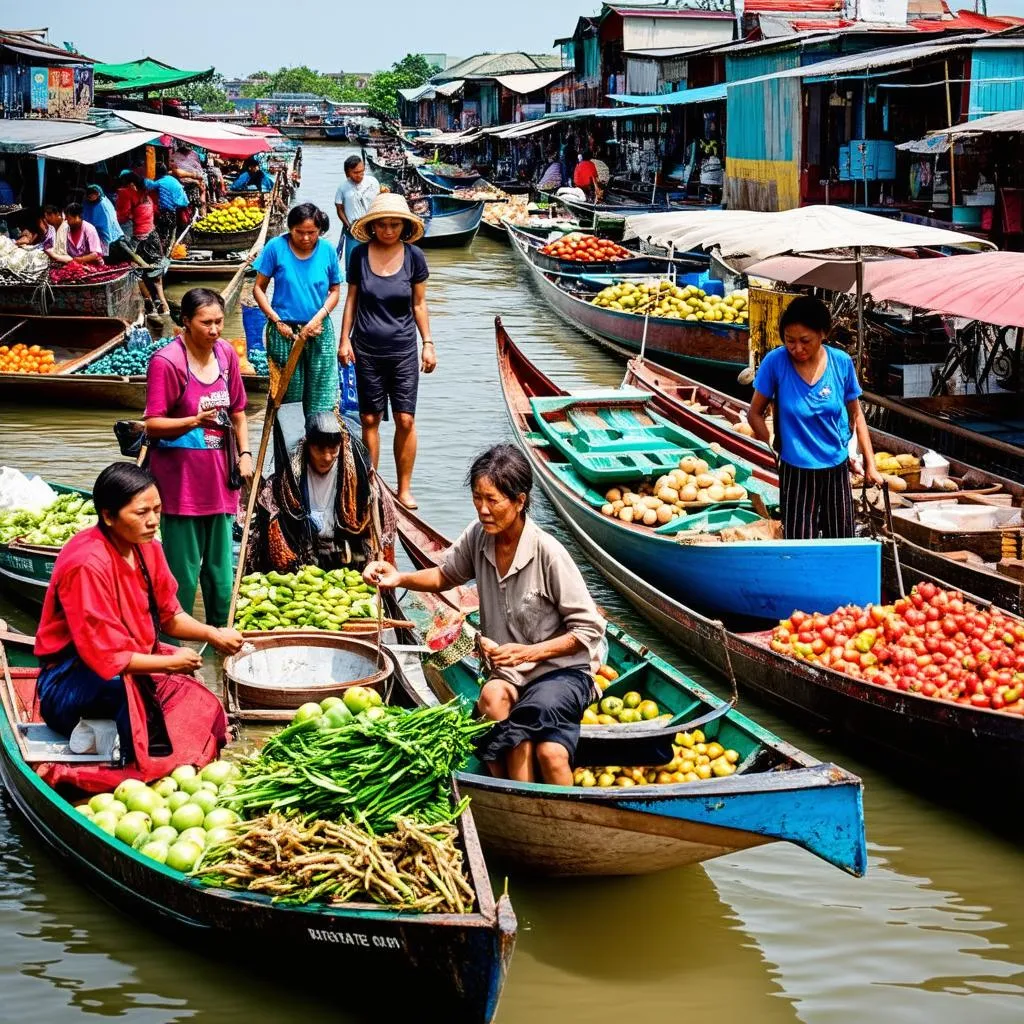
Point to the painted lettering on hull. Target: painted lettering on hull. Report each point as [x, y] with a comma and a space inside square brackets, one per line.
[359, 939]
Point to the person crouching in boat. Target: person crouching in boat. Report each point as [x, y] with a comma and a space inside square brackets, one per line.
[539, 627]
[321, 506]
[110, 597]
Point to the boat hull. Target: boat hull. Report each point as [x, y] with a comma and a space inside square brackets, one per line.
[455, 961]
[451, 222]
[710, 348]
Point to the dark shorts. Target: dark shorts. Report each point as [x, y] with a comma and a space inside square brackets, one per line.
[548, 710]
[388, 379]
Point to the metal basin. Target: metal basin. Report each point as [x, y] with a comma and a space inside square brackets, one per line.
[287, 671]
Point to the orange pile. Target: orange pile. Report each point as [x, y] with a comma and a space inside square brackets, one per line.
[240, 348]
[26, 359]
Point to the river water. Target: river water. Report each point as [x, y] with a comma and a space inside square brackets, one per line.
[935, 932]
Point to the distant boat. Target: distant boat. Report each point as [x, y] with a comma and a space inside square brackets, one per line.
[450, 222]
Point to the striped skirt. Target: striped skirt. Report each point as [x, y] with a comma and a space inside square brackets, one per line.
[816, 502]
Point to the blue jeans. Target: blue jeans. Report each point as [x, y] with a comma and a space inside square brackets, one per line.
[70, 691]
[346, 244]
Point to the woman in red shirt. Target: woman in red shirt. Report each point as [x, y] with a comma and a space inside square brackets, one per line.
[110, 597]
[136, 214]
[585, 177]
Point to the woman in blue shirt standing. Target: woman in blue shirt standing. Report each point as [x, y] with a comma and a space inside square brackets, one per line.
[385, 307]
[307, 285]
[816, 394]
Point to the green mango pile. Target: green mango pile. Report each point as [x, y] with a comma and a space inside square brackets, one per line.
[311, 598]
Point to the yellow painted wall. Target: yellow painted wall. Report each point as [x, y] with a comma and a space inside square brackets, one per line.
[765, 185]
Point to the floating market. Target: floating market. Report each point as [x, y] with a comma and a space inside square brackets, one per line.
[533, 536]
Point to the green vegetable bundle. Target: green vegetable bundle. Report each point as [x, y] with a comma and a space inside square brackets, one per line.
[370, 770]
[308, 599]
[54, 526]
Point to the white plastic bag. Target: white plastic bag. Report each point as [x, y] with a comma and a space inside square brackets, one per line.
[19, 491]
[933, 466]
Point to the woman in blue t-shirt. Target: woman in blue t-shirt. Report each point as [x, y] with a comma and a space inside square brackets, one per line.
[307, 285]
[816, 394]
[385, 306]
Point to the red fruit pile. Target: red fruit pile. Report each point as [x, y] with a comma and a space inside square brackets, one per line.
[585, 249]
[932, 642]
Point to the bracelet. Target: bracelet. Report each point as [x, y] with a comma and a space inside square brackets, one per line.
[429, 342]
[240, 454]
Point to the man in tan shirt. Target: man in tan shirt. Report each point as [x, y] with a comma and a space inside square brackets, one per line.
[540, 628]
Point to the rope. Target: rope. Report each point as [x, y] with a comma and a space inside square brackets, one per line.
[734, 699]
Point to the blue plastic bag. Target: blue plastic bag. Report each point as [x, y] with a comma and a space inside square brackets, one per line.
[349, 395]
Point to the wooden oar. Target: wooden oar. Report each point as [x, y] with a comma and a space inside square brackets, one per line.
[274, 400]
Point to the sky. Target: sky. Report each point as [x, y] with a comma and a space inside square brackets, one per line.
[328, 35]
[345, 35]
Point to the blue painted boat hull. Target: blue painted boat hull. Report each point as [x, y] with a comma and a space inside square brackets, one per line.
[752, 579]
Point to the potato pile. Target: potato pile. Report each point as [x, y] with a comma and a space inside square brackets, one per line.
[693, 483]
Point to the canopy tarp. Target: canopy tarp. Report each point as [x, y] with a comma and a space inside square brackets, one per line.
[143, 75]
[986, 286]
[683, 97]
[524, 84]
[97, 148]
[744, 237]
[216, 136]
[23, 135]
[1005, 121]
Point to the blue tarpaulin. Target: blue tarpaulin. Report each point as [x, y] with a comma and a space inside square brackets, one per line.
[676, 99]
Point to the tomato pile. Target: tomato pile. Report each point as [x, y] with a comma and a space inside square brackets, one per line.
[26, 359]
[932, 642]
[586, 249]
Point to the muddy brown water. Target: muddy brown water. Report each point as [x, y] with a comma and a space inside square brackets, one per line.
[935, 932]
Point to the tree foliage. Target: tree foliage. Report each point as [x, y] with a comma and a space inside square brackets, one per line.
[299, 79]
[209, 95]
[408, 73]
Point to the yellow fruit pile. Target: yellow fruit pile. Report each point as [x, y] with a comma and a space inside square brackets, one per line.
[693, 760]
[693, 483]
[673, 302]
[230, 218]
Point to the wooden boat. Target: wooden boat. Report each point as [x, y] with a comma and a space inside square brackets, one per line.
[450, 222]
[936, 559]
[610, 214]
[387, 174]
[984, 430]
[458, 961]
[116, 297]
[712, 347]
[779, 793]
[596, 440]
[221, 266]
[445, 184]
[25, 569]
[922, 740]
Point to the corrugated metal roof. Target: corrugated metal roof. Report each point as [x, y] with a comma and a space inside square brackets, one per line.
[1006, 121]
[450, 88]
[667, 52]
[418, 93]
[791, 6]
[488, 65]
[681, 98]
[22, 135]
[523, 84]
[31, 44]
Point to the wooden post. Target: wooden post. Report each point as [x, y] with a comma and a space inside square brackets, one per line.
[952, 143]
[860, 309]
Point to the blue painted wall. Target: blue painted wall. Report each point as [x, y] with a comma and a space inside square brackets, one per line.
[1004, 89]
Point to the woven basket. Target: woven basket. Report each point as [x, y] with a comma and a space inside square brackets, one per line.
[224, 241]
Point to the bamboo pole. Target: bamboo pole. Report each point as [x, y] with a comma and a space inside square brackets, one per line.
[952, 144]
[274, 400]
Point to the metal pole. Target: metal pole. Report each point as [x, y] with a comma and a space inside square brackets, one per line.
[860, 309]
[643, 339]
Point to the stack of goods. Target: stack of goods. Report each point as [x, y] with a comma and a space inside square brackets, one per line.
[241, 350]
[628, 709]
[695, 482]
[21, 265]
[126, 360]
[236, 216]
[901, 472]
[672, 302]
[86, 273]
[694, 759]
[26, 359]
[932, 643]
[577, 248]
[52, 526]
[308, 599]
[515, 210]
[476, 193]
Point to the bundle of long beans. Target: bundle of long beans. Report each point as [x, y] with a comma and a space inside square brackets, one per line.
[371, 771]
[416, 867]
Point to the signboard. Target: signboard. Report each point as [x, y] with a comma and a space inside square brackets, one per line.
[62, 93]
[83, 92]
[887, 11]
[531, 111]
[39, 90]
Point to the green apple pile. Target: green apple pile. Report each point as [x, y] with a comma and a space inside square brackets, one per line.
[173, 819]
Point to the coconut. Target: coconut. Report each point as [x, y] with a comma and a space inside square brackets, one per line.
[716, 492]
[688, 464]
[669, 494]
[700, 467]
[651, 517]
[705, 480]
[688, 493]
[665, 514]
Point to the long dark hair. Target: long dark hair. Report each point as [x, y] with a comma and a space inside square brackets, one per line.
[506, 467]
[116, 486]
[309, 211]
